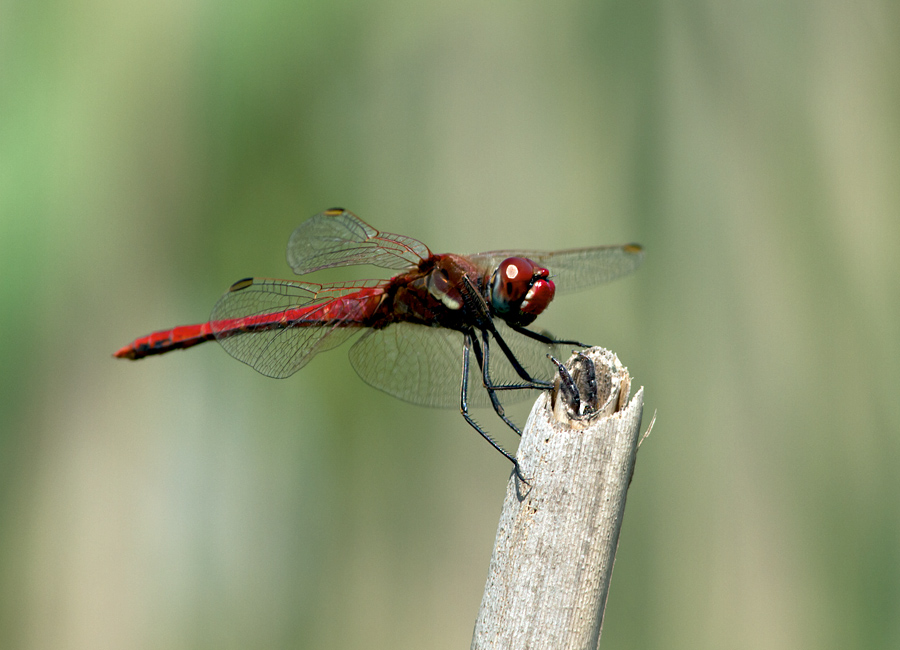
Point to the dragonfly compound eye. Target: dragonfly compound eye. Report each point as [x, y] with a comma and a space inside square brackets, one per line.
[536, 300]
[511, 282]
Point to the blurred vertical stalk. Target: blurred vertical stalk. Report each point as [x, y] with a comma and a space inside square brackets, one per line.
[553, 556]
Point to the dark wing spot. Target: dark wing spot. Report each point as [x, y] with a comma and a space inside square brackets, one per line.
[241, 284]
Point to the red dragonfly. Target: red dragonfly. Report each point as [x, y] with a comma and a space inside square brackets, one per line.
[418, 327]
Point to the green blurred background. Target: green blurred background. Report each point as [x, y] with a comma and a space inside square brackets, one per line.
[152, 154]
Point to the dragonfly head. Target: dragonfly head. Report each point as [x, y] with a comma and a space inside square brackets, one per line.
[520, 290]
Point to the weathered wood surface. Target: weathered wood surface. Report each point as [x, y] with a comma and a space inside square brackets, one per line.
[553, 556]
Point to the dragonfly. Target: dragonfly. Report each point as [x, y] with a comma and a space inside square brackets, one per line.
[443, 324]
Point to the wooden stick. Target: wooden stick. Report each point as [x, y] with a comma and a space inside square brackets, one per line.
[556, 543]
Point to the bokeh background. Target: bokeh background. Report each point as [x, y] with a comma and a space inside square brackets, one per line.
[153, 153]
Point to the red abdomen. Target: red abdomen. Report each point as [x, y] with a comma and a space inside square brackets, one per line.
[351, 310]
[176, 338]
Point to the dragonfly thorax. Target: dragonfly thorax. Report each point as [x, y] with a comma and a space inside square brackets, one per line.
[440, 287]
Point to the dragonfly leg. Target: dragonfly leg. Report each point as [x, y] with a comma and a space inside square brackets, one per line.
[578, 388]
[543, 338]
[464, 409]
[488, 386]
[528, 380]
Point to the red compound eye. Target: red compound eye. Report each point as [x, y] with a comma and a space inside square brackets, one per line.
[512, 280]
[520, 290]
[537, 299]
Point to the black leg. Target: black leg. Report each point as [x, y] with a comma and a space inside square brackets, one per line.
[543, 338]
[578, 389]
[528, 380]
[464, 408]
[495, 401]
[568, 390]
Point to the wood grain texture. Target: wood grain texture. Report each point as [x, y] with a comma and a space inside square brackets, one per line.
[553, 556]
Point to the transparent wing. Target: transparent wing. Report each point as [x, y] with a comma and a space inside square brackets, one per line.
[338, 237]
[277, 326]
[423, 365]
[576, 269]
